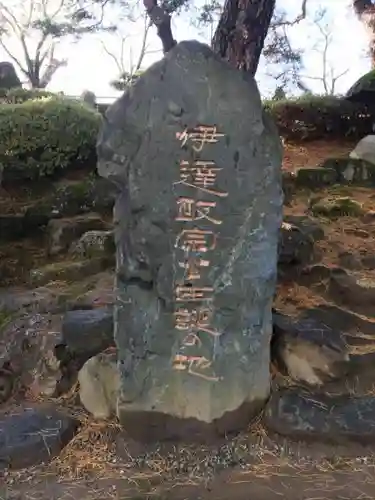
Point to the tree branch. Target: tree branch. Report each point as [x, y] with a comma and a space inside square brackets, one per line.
[162, 20]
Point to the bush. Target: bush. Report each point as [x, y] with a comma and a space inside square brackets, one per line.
[42, 136]
[317, 117]
[19, 95]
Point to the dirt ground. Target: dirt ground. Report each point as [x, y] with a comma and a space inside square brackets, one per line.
[101, 463]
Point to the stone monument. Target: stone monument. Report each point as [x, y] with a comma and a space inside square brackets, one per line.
[198, 163]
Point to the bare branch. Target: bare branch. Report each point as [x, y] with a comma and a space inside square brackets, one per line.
[298, 19]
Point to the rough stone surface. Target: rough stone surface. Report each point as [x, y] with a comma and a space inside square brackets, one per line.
[365, 150]
[309, 351]
[336, 207]
[351, 170]
[99, 385]
[337, 419]
[86, 333]
[351, 288]
[62, 232]
[69, 270]
[227, 377]
[31, 437]
[94, 244]
[296, 247]
[8, 76]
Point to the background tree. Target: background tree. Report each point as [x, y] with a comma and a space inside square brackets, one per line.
[365, 10]
[30, 31]
[129, 68]
[241, 31]
[328, 77]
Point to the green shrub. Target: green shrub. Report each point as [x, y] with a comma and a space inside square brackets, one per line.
[19, 95]
[318, 117]
[42, 136]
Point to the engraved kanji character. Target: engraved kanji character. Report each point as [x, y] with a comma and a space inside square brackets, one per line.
[196, 240]
[200, 175]
[199, 136]
[193, 267]
[195, 320]
[192, 340]
[192, 293]
[192, 364]
[192, 210]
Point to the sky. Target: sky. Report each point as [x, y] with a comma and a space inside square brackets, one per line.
[90, 68]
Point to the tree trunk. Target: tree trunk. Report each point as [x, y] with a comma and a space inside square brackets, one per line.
[365, 10]
[242, 29]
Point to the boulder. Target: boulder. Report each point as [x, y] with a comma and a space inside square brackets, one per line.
[307, 350]
[332, 419]
[335, 207]
[68, 270]
[99, 385]
[31, 437]
[27, 357]
[8, 76]
[315, 177]
[365, 150]
[63, 232]
[350, 170]
[296, 247]
[86, 333]
[89, 98]
[94, 244]
[353, 289]
[197, 225]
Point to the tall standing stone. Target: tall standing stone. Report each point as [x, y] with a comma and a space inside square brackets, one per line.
[198, 163]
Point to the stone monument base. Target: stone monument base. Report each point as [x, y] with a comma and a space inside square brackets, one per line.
[148, 427]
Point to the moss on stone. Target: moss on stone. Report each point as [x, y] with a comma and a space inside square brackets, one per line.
[337, 207]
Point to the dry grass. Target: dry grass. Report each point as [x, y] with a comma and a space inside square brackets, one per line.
[311, 154]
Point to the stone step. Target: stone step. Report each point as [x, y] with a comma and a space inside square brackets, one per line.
[70, 271]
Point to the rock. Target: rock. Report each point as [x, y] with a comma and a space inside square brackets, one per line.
[94, 292]
[99, 381]
[8, 76]
[336, 419]
[336, 207]
[15, 227]
[351, 170]
[32, 437]
[315, 274]
[307, 225]
[313, 178]
[365, 150]
[68, 271]
[358, 330]
[62, 232]
[309, 351]
[216, 345]
[94, 244]
[89, 98]
[352, 289]
[368, 262]
[295, 246]
[68, 200]
[289, 186]
[27, 358]
[350, 261]
[88, 332]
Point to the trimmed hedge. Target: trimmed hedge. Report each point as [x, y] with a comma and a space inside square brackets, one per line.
[42, 136]
[318, 117]
[19, 95]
